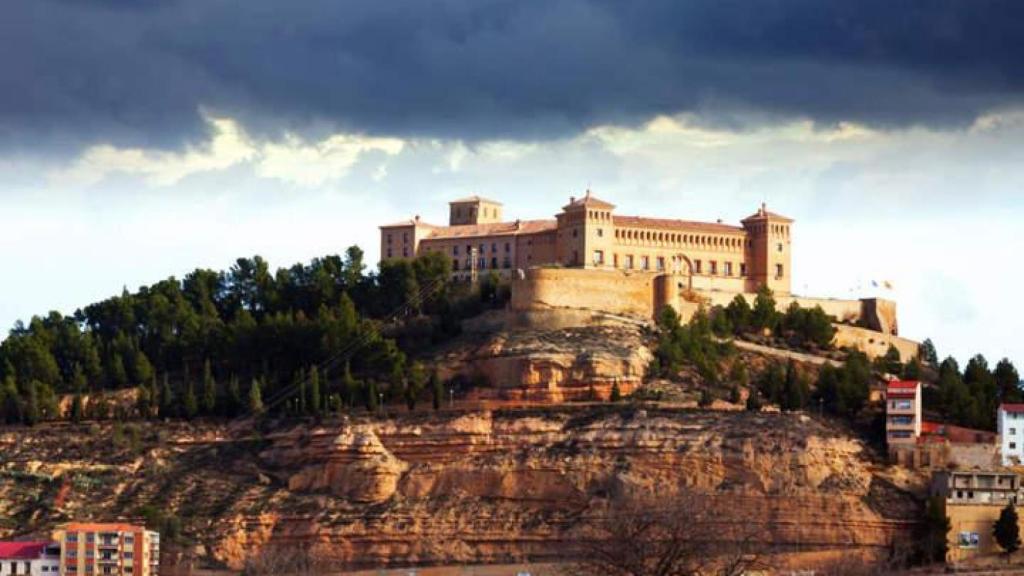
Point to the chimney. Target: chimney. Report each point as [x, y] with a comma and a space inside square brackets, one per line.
[517, 223]
[572, 199]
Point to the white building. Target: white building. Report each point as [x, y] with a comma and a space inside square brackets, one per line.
[29, 559]
[1010, 426]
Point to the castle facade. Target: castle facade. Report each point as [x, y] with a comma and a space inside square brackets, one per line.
[587, 233]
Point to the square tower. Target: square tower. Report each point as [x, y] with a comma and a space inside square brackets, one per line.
[586, 232]
[769, 251]
[1010, 426]
[473, 210]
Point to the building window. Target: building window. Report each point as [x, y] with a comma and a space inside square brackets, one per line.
[600, 233]
[1013, 445]
[455, 264]
[1013, 430]
[778, 270]
[405, 252]
[780, 246]
[615, 260]
[660, 263]
[482, 263]
[405, 237]
[494, 247]
[71, 537]
[573, 232]
[508, 247]
[697, 267]
[599, 257]
[389, 238]
[629, 261]
[727, 268]
[713, 267]
[743, 269]
[494, 263]
[967, 540]
[455, 250]
[645, 263]
[506, 263]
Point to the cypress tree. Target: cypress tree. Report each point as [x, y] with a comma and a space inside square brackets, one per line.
[1006, 531]
[167, 407]
[209, 389]
[314, 390]
[436, 390]
[191, 404]
[255, 398]
[234, 396]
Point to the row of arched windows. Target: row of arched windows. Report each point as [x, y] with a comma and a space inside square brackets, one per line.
[678, 239]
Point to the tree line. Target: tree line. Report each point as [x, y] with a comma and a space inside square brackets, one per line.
[218, 343]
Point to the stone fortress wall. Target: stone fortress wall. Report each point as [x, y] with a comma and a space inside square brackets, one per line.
[641, 294]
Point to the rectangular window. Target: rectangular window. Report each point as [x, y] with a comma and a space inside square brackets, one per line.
[778, 270]
[389, 238]
[599, 257]
[743, 269]
[405, 237]
[481, 263]
[469, 250]
[629, 261]
[645, 262]
[455, 250]
[968, 540]
[494, 247]
[661, 263]
[455, 264]
[1013, 430]
[600, 233]
[615, 260]
[508, 247]
[714, 267]
[697, 268]
[405, 252]
[727, 269]
[901, 405]
[1013, 445]
[494, 263]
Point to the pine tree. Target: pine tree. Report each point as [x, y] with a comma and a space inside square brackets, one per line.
[209, 390]
[314, 391]
[300, 381]
[349, 386]
[142, 402]
[1006, 531]
[255, 398]
[31, 414]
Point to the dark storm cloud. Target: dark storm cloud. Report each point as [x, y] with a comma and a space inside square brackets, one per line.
[137, 72]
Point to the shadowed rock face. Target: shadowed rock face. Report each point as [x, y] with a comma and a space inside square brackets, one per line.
[454, 488]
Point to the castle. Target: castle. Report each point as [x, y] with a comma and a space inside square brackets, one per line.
[588, 234]
[589, 259]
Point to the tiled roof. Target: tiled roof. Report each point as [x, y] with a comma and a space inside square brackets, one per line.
[493, 229]
[410, 222]
[589, 200]
[641, 222]
[902, 384]
[475, 199]
[764, 214]
[1012, 407]
[22, 550]
[932, 432]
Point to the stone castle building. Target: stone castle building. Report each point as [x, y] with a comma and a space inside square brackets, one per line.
[588, 234]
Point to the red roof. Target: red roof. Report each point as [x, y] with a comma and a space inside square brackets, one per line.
[903, 384]
[1012, 407]
[682, 225]
[22, 550]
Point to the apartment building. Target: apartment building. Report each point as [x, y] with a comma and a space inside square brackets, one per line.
[1010, 426]
[121, 549]
[29, 559]
[972, 501]
[902, 413]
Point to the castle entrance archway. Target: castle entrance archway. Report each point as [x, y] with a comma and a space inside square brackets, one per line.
[682, 268]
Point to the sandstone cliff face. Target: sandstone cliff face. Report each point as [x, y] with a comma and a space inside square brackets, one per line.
[555, 366]
[458, 487]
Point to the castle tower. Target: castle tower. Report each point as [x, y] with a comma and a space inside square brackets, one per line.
[586, 232]
[768, 251]
[474, 210]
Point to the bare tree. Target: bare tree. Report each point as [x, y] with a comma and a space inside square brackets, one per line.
[679, 536]
[284, 560]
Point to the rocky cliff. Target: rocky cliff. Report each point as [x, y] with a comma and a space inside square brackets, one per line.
[454, 487]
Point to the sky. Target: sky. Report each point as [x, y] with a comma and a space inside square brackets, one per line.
[142, 139]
